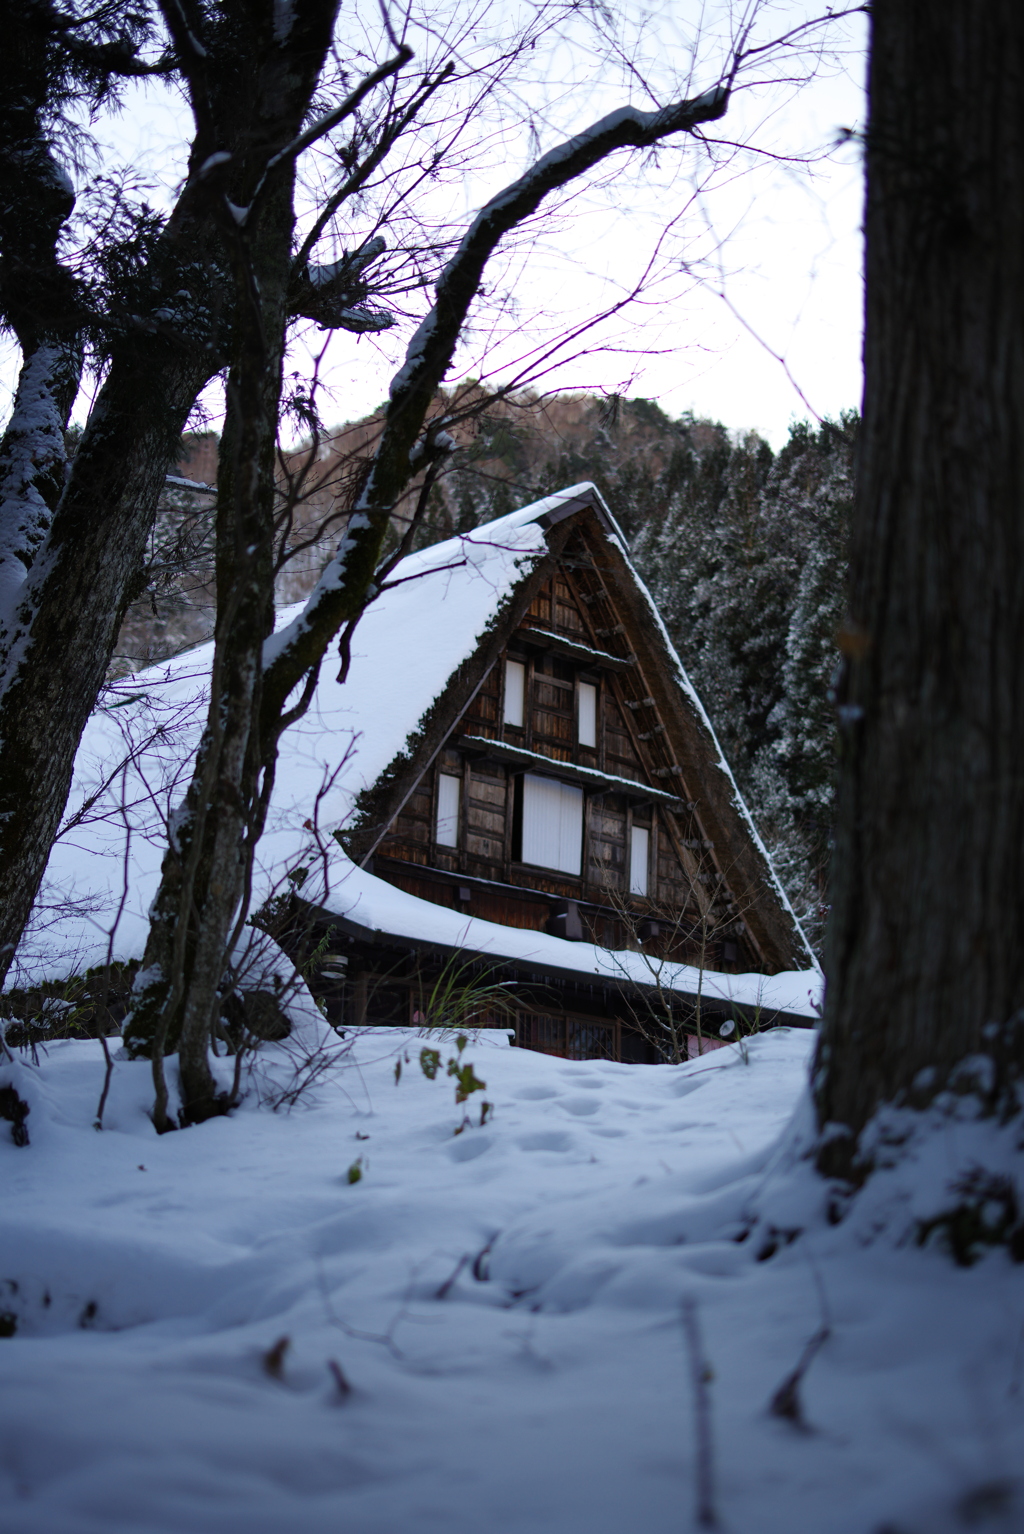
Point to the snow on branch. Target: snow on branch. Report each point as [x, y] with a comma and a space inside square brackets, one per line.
[341, 591]
[335, 295]
[331, 120]
[627, 128]
[32, 461]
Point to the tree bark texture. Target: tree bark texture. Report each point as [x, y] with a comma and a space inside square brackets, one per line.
[71, 611]
[166, 341]
[204, 870]
[72, 546]
[925, 956]
[40, 302]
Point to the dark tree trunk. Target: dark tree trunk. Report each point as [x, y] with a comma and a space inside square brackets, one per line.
[67, 615]
[204, 870]
[925, 955]
[83, 546]
[72, 607]
[71, 550]
[202, 888]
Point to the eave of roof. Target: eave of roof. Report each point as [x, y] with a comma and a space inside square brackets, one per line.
[370, 909]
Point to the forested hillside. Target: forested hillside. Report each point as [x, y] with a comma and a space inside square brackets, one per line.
[747, 563]
[744, 551]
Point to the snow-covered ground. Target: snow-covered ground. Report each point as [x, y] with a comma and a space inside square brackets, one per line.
[522, 1311]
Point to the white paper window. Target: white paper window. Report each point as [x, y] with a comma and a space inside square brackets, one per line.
[515, 692]
[448, 810]
[639, 851]
[588, 714]
[552, 824]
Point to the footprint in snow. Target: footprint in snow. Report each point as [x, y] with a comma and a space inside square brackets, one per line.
[580, 1107]
[535, 1094]
[548, 1140]
[468, 1149]
[685, 1087]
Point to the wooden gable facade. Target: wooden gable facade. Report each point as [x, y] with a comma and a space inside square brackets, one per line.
[580, 689]
[480, 833]
[568, 782]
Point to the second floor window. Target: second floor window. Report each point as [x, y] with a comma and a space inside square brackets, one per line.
[448, 793]
[639, 854]
[587, 714]
[515, 693]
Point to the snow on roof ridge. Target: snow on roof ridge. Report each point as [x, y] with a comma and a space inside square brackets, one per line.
[490, 534]
[433, 558]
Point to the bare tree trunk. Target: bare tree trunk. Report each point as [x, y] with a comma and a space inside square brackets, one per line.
[70, 557]
[67, 618]
[69, 552]
[925, 958]
[204, 870]
[33, 457]
[72, 546]
[40, 301]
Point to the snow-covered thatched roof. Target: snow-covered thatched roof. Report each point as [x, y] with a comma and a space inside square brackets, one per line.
[436, 611]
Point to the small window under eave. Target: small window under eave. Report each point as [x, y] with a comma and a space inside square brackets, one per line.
[448, 795]
[639, 859]
[587, 714]
[515, 693]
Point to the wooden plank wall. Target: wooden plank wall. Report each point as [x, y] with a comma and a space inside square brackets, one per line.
[486, 831]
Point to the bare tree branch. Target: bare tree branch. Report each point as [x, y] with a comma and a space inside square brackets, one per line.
[344, 584]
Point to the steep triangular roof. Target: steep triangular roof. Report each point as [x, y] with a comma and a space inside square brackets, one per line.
[418, 657]
[469, 612]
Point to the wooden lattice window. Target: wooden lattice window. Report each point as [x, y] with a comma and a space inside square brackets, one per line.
[589, 1038]
[572, 1038]
[541, 1031]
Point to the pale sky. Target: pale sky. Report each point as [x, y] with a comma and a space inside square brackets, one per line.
[789, 266]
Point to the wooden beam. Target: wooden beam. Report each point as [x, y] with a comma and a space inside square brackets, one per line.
[588, 778]
[569, 649]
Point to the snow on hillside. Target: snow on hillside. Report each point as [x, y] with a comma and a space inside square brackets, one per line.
[519, 1312]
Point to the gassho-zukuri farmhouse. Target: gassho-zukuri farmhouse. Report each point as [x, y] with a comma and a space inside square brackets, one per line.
[516, 785]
